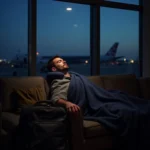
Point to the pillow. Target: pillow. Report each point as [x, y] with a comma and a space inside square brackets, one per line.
[23, 97]
[54, 75]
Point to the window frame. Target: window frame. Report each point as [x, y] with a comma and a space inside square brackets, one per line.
[95, 6]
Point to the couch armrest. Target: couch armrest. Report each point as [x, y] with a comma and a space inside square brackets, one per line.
[144, 85]
[77, 138]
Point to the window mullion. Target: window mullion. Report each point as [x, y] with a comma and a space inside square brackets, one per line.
[95, 39]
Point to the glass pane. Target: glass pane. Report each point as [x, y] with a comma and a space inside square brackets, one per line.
[13, 37]
[119, 31]
[135, 2]
[63, 29]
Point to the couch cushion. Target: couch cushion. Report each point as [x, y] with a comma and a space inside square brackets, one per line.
[7, 86]
[96, 80]
[93, 129]
[126, 83]
[145, 87]
[27, 96]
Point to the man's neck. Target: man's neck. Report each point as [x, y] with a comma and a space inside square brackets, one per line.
[67, 74]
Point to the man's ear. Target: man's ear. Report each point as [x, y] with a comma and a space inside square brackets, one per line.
[54, 69]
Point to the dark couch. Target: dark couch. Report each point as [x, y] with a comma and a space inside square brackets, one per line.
[84, 134]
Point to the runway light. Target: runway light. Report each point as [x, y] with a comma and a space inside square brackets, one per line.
[131, 61]
[69, 9]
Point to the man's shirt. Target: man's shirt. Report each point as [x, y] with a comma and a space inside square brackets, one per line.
[59, 89]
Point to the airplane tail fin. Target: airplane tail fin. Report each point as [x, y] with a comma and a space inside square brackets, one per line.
[113, 50]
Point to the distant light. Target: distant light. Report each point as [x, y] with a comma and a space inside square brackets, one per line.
[86, 62]
[37, 53]
[125, 59]
[132, 61]
[69, 9]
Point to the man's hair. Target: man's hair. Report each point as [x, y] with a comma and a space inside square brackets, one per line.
[50, 63]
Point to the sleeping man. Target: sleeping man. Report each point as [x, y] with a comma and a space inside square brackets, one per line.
[128, 117]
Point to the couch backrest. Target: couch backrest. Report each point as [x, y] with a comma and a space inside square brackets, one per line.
[7, 86]
[126, 83]
[144, 84]
[96, 80]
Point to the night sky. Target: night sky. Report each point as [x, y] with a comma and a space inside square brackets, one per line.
[66, 32]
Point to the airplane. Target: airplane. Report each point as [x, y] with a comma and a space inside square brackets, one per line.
[110, 55]
[109, 58]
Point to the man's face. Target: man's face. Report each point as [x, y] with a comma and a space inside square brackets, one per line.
[60, 65]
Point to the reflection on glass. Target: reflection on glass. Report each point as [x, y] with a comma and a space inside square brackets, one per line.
[13, 38]
[135, 2]
[69, 9]
[63, 29]
[119, 31]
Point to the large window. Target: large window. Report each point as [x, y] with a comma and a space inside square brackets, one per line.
[13, 37]
[135, 2]
[119, 45]
[63, 29]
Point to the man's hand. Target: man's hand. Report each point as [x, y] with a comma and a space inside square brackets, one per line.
[72, 107]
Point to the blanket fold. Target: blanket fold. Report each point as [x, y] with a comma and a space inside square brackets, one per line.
[127, 117]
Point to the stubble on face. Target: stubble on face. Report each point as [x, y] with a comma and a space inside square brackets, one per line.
[60, 65]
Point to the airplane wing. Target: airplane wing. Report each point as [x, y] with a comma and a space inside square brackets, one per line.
[119, 57]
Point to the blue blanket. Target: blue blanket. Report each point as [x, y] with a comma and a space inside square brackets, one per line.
[127, 117]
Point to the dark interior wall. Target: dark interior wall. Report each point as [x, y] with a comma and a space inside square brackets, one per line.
[146, 38]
